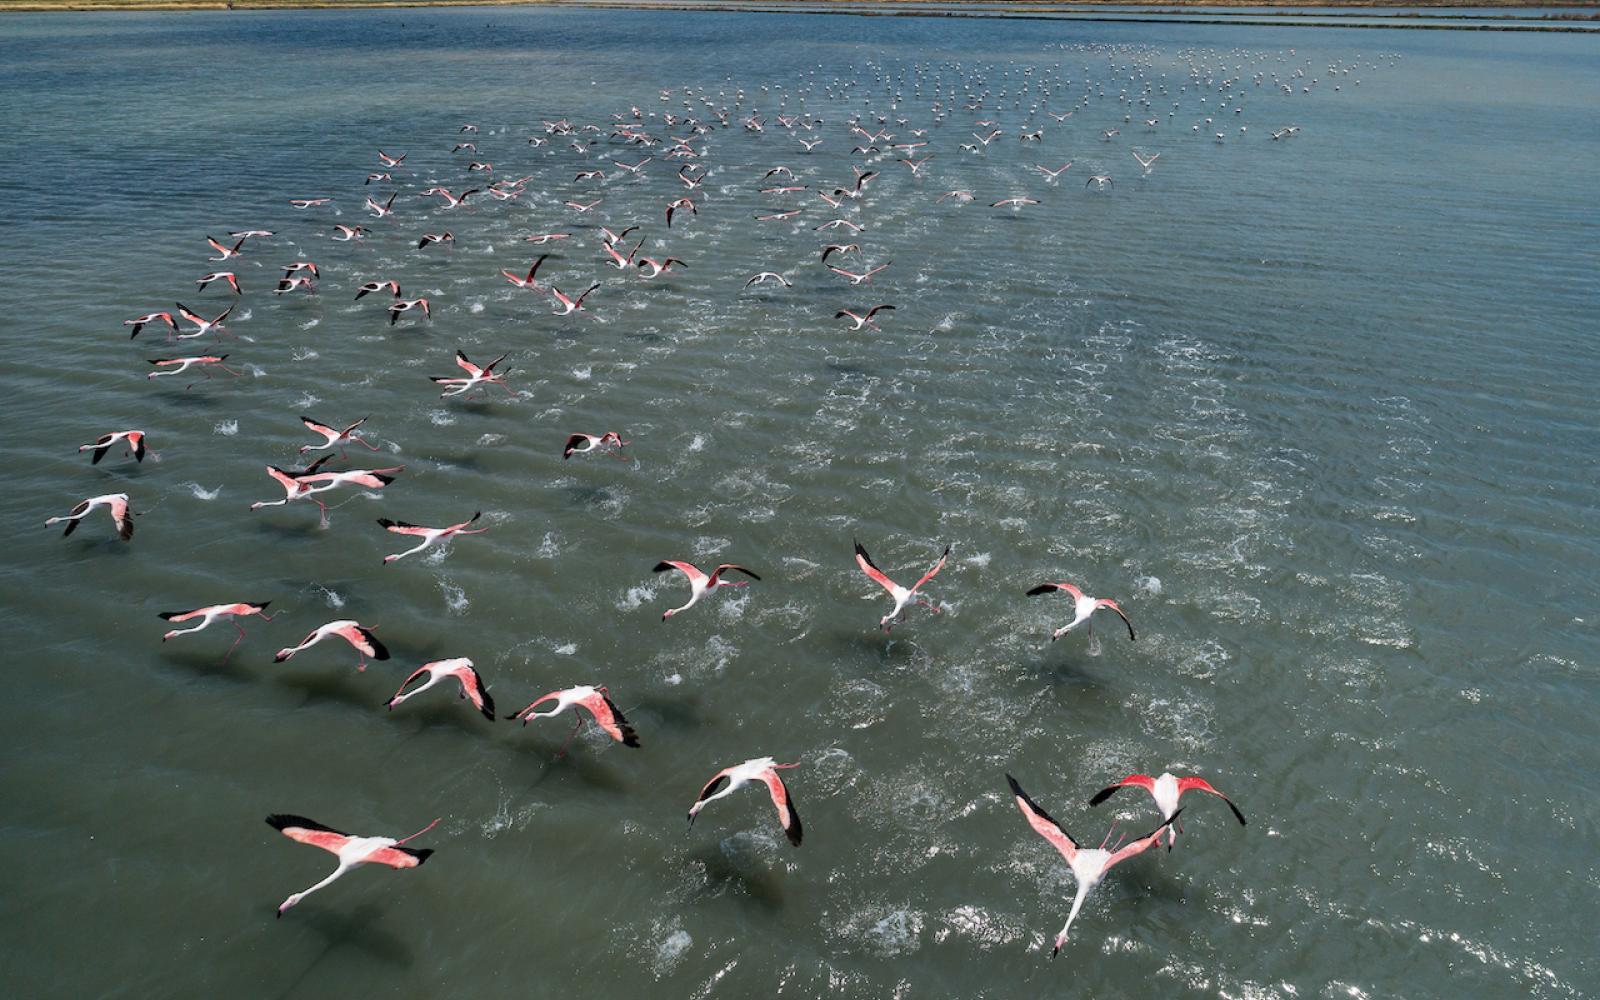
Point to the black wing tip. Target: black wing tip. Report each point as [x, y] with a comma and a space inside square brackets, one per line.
[1103, 794]
[167, 616]
[1043, 588]
[794, 831]
[386, 523]
[662, 567]
[421, 854]
[283, 821]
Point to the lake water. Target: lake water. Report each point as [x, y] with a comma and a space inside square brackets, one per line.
[1319, 412]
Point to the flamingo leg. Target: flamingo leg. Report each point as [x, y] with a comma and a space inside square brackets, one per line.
[236, 641]
[570, 737]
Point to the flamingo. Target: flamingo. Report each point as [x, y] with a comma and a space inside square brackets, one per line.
[856, 279]
[203, 326]
[177, 366]
[766, 276]
[1146, 161]
[462, 669]
[334, 438]
[392, 161]
[570, 306]
[304, 203]
[215, 612]
[527, 282]
[348, 233]
[649, 267]
[380, 211]
[428, 535]
[1082, 607]
[1099, 181]
[1166, 790]
[1053, 174]
[228, 276]
[352, 852]
[1089, 866]
[1015, 203]
[406, 305]
[902, 595]
[678, 205]
[477, 377]
[699, 583]
[293, 488]
[140, 322]
[430, 238]
[543, 238]
[224, 252]
[104, 443]
[596, 701]
[353, 632]
[115, 503]
[369, 287]
[860, 320]
[582, 444]
[764, 770]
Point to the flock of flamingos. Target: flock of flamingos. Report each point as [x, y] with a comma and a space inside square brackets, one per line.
[612, 157]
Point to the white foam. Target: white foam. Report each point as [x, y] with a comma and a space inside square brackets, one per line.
[455, 599]
[227, 428]
[201, 493]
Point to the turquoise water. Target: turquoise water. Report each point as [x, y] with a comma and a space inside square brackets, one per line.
[1318, 412]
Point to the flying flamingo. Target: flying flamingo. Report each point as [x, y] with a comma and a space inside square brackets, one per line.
[764, 770]
[228, 276]
[203, 326]
[352, 852]
[380, 211]
[902, 596]
[461, 668]
[353, 632]
[477, 377]
[855, 278]
[699, 583]
[1089, 866]
[155, 317]
[293, 488]
[649, 267]
[105, 442]
[223, 252]
[215, 612]
[863, 320]
[570, 306]
[596, 701]
[392, 161]
[406, 305]
[608, 443]
[378, 286]
[528, 281]
[177, 366]
[115, 503]
[335, 438]
[1083, 606]
[1166, 790]
[428, 535]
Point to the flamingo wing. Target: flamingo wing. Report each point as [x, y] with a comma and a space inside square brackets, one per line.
[930, 574]
[476, 691]
[695, 576]
[725, 567]
[787, 814]
[398, 857]
[403, 527]
[1142, 844]
[610, 718]
[308, 831]
[467, 366]
[865, 562]
[1202, 785]
[1045, 588]
[1042, 823]
[1106, 603]
[1143, 781]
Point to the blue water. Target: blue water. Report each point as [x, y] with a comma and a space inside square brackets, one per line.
[1318, 412]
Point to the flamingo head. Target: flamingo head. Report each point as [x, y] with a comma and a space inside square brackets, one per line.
[282, 654]
[292, 900]
[667, 614]
[1061, 939]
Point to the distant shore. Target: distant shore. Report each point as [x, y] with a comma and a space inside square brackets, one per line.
[1571, 12]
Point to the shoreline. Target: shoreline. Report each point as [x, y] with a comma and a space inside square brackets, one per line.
[1395, 14]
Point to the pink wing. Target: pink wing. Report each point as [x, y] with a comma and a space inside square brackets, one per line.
[695, 576]
[1143, 781]
[1202, 785]
[404, 527]
[473, 687]
[865, 562]
[930, 574]
[1045, 588]
[397, 857]
[786, 811]
[467, 366]
[308, 831]
[610, 718]
[1142, 844]
[1042, 822]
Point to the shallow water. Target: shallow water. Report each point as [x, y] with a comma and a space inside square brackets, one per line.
[1318, 412]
